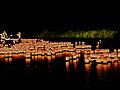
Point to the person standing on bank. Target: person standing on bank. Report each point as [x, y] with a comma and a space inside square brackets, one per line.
[19, 37]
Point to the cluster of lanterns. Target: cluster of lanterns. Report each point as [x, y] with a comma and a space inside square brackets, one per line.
[34, 49]
[102, 56]
[39, 50]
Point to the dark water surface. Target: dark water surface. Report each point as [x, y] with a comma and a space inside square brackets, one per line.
[59, 74]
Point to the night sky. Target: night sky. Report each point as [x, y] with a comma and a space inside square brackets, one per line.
[59, 15]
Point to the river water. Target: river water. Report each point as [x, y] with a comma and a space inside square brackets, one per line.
[59, 74]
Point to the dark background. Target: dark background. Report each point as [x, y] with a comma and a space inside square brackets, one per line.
[31, 16]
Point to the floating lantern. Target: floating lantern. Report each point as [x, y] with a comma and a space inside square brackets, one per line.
[28, 60]
[118, 50]
[74, 56]
[79, 43]
[109, 59]
[98, 60]
[106, 54]
[97, 50]
[119, 55]
[28, 55]
[91, 51]
[100, 41]
[48, 53]
[20, 51]
[85, 55]
[106, 50]
[86, 60]
[116, 59]
[86, 51]
[104, 60]
[75, 43]
[67, 58]
[115, 50]
[36, 53]
[113, 55]
[77, 51]
[83, 43]
[78, 55]
[39, 53]
[53, 52]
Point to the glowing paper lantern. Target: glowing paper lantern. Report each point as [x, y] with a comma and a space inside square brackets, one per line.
[28, 60]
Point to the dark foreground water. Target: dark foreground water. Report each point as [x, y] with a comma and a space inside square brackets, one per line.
[59, 74]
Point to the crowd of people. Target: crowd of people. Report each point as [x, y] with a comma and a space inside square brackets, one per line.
[5, 39]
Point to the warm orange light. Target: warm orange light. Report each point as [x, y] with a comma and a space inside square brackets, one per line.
[105, 68]
[28, 60]
[115, 65]
[74, 64]
[99, 69]
[87, 67]
[49, 59]
[10, 60]
[6, 60]
[86, 60]
[36, 57]
[67, 66]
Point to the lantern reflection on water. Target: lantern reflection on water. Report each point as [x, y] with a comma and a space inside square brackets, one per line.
[10, 60]
[71, 62]
[28, 55]
[42, 58]
[28, 60]
[87, 67]
[109, 66]
[99, 68]
[49, 58]
[115, 65]
[53, 57]
[105, 69]
[67, 66]
[39, 57]
[6, 60]
[75, 64]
